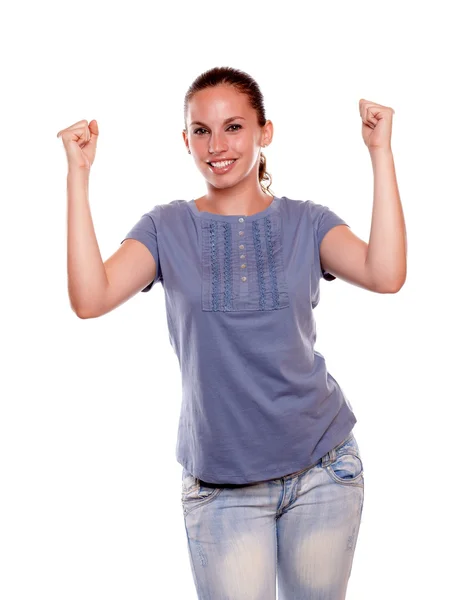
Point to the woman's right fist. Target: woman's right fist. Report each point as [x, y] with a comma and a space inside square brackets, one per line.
[80, 143]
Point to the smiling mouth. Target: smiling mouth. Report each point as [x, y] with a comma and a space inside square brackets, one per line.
[222, 163]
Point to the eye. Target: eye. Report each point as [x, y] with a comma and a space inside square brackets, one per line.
[202, 129]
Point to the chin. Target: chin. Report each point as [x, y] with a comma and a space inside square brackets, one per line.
[224, 182]
[222, 185]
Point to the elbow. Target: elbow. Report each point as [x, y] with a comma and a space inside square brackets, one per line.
[399, 283]
[83, 312]
[392, 288]
[82, 315]
[86, 308]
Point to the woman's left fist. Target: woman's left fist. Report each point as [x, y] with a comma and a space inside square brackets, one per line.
[376, 124]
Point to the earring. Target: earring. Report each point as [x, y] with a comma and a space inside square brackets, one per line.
[188, 151]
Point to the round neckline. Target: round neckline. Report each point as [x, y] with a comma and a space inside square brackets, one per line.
[233, 218]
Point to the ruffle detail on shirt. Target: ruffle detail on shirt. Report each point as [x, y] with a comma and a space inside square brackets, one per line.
[223, 288]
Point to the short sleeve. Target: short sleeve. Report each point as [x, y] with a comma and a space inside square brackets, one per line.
[325, 219]
[145, 231]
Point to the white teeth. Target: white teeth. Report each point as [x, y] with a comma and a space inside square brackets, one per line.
[224, 163]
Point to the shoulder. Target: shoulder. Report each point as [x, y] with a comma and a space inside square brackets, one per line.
[304, 210]
[169, 211]
[309, 210]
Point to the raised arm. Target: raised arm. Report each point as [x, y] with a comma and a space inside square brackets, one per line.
[96, 287]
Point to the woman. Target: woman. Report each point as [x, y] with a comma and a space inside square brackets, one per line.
[272, 479]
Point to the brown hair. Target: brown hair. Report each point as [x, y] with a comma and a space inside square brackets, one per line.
[243, 83]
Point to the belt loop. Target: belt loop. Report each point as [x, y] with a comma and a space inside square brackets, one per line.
[329, 458]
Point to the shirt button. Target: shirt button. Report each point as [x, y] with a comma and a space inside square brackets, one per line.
[241, 220]
[243, 266]
[243, 279]
[241, 247]
[241, 232]
[242, 256]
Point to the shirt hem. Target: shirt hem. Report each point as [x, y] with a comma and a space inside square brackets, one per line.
[278, 472]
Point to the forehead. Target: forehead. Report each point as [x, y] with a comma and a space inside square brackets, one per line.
[215, 104]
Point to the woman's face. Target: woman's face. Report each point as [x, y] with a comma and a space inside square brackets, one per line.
[222, 126]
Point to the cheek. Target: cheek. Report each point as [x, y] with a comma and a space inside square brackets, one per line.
[244, 145]
[199, 146]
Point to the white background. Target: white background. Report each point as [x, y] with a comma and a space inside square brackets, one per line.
[90, 503]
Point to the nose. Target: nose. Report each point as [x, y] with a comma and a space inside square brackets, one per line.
[217, 144]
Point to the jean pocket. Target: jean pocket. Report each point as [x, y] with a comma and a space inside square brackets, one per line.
[189, 482]
[195, 493]
[347, 466]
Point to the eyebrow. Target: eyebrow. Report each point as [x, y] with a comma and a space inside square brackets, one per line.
[225, 122]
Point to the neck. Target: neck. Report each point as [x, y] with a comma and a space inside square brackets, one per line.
[234, 200]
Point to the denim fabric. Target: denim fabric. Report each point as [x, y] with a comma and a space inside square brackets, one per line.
[298, 532]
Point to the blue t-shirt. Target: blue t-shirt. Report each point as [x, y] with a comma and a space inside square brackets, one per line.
[257, 400]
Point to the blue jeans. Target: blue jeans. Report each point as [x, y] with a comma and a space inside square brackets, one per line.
[301, 528]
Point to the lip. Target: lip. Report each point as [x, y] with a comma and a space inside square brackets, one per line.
[222, 170]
